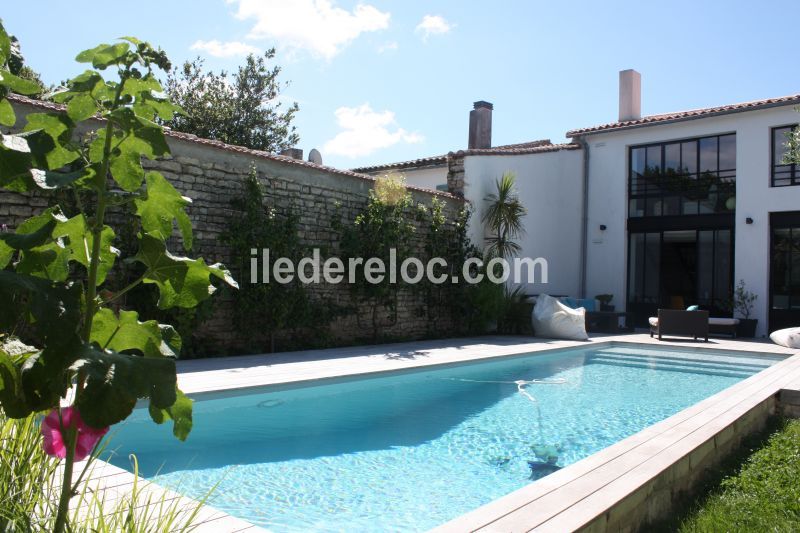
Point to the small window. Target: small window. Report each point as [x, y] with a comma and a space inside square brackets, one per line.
[783, 174]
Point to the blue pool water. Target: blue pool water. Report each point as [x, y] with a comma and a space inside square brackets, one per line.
[407, 452]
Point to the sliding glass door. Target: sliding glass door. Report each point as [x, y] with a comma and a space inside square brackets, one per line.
[677, 268]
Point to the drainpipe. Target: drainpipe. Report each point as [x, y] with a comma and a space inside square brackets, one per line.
[584, 214]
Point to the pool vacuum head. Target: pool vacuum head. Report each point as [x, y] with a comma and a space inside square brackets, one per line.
[540, 469]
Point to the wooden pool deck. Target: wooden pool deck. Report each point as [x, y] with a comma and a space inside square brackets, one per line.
[640, 472]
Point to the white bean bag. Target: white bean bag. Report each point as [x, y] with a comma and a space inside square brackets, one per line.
[554, 320]
[789, 337]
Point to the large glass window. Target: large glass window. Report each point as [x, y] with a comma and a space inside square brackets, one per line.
[782, 174]
[691, 177]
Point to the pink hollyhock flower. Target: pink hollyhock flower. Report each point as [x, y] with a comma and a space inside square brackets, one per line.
[55, 444]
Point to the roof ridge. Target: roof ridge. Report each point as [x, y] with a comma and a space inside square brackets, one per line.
[688, 114]
[442, 158]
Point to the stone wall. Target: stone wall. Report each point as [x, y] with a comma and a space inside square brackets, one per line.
[212, 174]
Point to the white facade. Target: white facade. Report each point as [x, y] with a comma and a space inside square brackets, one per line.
[608, 194]
[550, 186]
[426, 177]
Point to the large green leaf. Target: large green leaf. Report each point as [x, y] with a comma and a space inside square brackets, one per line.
[35, 231]
[160, 207]
[115, 381]
[141, 135]
[56, 179]
[7, 116]
[126, 168]
[180, 413]
[181, 282]
[41, 255]
[17, 84]
[103, 55]
[58, 127]
[13, 355]
[81, 107]
[5, 45]
[78, 240]
[125, 333]
[48, 262]
[18, 159]
[53, 308]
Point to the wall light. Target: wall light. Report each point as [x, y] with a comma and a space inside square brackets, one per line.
[748, 220]
[602, 227]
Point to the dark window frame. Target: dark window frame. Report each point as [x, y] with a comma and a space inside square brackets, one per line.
[727, 174]
[793, 168]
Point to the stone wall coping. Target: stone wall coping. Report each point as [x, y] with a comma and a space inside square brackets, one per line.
[51, 106]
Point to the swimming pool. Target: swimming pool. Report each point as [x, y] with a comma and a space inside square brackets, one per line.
[408, 451]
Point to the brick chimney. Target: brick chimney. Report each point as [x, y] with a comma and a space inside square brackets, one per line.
[630, 95]
[480, 125]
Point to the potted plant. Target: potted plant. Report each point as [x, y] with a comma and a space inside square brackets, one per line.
[743, 305]
[605, 301]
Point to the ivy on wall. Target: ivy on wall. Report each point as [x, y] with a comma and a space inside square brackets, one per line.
[262, 311]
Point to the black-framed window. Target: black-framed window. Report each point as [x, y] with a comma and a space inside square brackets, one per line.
[688, 177]
[782, 174]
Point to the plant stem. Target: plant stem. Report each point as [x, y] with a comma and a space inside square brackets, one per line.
[129, 287]
[66, 482]
[91, 307]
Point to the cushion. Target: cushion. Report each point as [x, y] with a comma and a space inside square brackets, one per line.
[552, 319]
[789, 337]
[576, 303]
[723, 321]
[653, 320]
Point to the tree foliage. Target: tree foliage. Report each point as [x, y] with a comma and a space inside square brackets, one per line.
[54, 267]
[243, 109]
[17, 66]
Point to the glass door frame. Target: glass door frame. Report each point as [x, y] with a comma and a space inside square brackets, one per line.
[651, 225]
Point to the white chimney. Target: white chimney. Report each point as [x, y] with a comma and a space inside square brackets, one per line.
[630, 95]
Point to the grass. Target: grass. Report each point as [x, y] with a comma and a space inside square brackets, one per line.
[760, 492]
[28, 489]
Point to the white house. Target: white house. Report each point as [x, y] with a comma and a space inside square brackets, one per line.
[661, 211]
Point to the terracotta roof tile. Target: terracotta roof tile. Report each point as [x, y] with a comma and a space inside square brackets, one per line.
[439, 160]
[234, 148]
[688, 115]
[518, 151]
[433, 161]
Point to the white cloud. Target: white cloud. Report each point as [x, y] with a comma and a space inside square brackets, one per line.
[366, 131]
[228, 49]
[318, 26]
[391, 46]
[433, 25]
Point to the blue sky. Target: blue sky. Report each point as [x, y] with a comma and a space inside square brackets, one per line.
[380, 81]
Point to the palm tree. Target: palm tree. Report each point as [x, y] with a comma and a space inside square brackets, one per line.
[503, 218]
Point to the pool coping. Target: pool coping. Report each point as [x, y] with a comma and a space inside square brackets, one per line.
[519, 510]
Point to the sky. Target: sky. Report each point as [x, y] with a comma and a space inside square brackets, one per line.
[380, 81]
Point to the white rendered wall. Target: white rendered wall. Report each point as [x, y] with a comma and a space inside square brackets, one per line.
[427, 178]
[608, 175]
[550, 186]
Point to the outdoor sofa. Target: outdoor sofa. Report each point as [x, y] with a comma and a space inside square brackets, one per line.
[674, 322]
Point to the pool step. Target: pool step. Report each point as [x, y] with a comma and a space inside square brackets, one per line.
[721, 364]
[671, 367]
